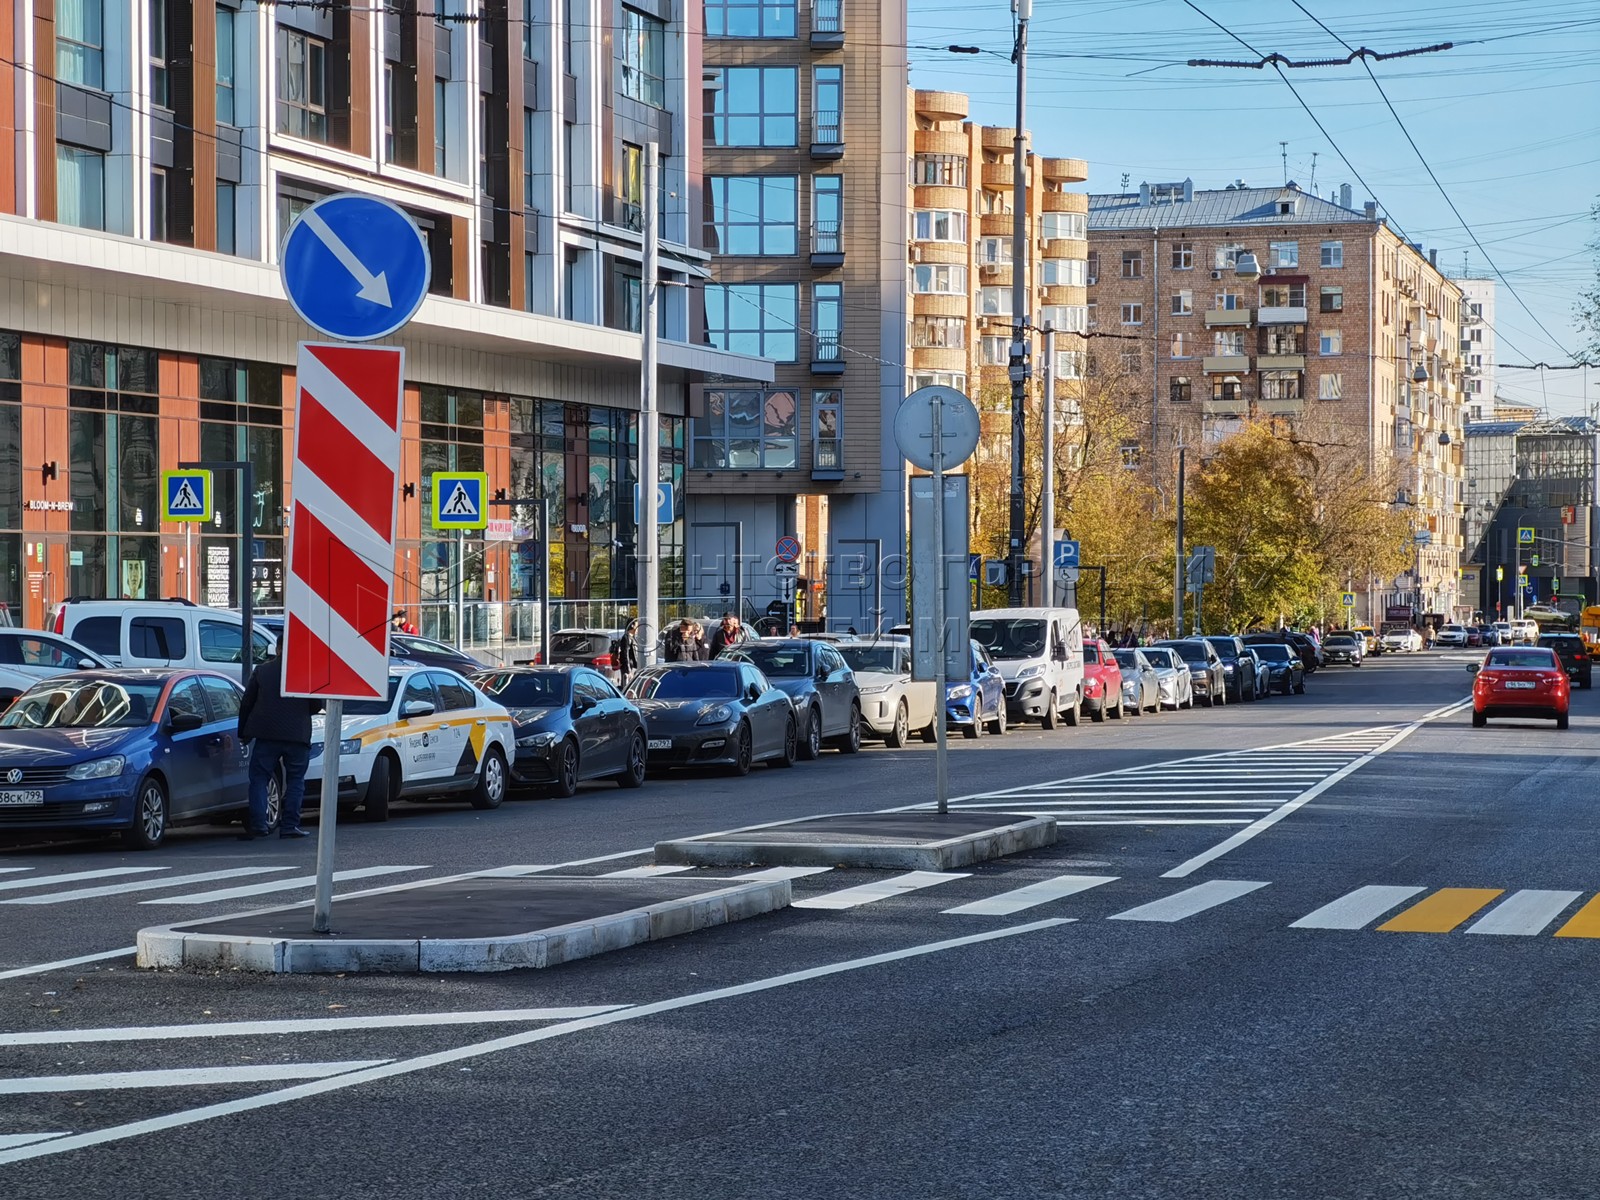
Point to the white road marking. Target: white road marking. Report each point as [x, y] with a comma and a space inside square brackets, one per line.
[1357, 909]
[1524, 913]
[784, 873]
[882, 889]
[162, 1033]
[1189, 901]
[277, 885]
[37, 881]
[1031, 896]
[110, 1081]
[1153, 812]
[645, 872]
[13, 871]
[143, 885]
[1265, 804]
[178, 1120]
[8, 1140]
[1157, 821]
[62, 963]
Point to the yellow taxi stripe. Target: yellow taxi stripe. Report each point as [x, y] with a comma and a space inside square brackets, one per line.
[1442, 911]
[1585, 923]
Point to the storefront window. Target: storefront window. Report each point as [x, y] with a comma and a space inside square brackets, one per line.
[11, 569]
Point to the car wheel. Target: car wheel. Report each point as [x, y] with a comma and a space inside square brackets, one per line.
[1075, 713]
[1097, 712]
[1052, 716]
[1584, 680]
[900, 732]
[930, 735]
[974, 731]
[811, 747]
[742, 751]
[274, 802]
[850, 743]
[380, 790]
[491, 788]
[1479, 720]
[566, 780]
[998, 726]
[1300, 688]
[150, 814]
[1137, 710]
[791, 745]
[1115, 710]
[1561, 721]
[632, 775]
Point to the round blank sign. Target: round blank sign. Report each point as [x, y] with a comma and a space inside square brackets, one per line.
[958, 427]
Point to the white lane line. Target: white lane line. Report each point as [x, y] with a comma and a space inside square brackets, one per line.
[37, 881]
[1153, 812]
[1267, 822]
[144, 885]
[117, 1081]
[1189, 901]
[1357, 909]
[13, 871]
[882, 889]
[1524, 913]
[1266, 803]
[277, 885]
[7, 1140]
[178, 1120]
[1031, 896]
[63, 963]
[784, 873]
[645, 872]
[162, 1033]
[1155, 821]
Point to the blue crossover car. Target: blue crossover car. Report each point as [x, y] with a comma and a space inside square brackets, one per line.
[120, 750]
[979, 701]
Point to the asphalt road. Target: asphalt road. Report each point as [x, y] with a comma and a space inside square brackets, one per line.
[1174, 1023]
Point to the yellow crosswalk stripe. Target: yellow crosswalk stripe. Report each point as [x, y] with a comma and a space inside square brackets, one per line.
[1585, 923]
[1442, 911]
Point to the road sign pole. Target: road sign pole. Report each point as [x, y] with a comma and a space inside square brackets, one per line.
[328, 817]
[941, 753]
[247, 488]
[1177, 583]
[461, 587]
[648, 529]
[1047, 486]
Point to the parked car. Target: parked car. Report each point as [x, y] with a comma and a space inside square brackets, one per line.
[160, 633]
[1525, 632]
[425, 652]
[1172, 676]
[1281, 667]
[893, 705]
[1309, 653]
[977, 703]
[1451, 635]
[1344, 647]
[1102, 681]
[1371, 643]
[1206, 676]
[1039, 652]
[135, 752]
[1141, 687]
[1518, 681]
[571, 725]
[1573, 652]
[583, 647]
[1401, 638]
[1475, 635]
[434, 734]
[27, 656]
[721, 713]
[827, 702]
[1238, 668]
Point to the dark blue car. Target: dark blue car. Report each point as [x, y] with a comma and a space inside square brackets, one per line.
[978, 702]
[129, 751]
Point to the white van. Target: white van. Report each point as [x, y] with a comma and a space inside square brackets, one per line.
[1040, 655]
[159, 633]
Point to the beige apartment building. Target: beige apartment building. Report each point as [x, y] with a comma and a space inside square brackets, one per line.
[1248, 303]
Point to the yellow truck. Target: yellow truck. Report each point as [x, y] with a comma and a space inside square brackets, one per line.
[1589, 627]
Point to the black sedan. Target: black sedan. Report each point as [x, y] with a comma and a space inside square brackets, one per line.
[425, 652]
[572, 726]
[1238, 668]
[714, 714]
[1281, 668]
[821, 684]
[1309, 653]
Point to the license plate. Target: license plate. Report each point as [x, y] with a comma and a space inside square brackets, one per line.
[1516, 684]
[661, 743]
[21, 799]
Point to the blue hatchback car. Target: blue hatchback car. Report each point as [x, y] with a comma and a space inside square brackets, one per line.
[978, 702]
[129, 751]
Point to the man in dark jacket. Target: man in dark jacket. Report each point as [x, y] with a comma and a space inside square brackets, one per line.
[280, 728]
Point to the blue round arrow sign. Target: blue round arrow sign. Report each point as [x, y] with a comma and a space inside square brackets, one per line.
[355, 267]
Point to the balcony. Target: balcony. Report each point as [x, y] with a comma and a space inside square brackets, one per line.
[1226, 406]
[827, 355]
[827, 135]
[1281, 362]
[827, 24]
[1225, 364]
[827, 458]
[1281, 315]
[1227, 316]
[1283, 406]
[827, 244]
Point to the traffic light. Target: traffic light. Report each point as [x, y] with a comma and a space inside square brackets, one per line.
[1555, 587]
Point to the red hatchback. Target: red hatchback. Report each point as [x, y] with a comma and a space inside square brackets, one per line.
[1102, 681]
[1520, 681]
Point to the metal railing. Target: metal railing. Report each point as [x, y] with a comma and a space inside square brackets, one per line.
[826, 348]
[826, 238]
[827, 454]
[827, 16]
[826, 128]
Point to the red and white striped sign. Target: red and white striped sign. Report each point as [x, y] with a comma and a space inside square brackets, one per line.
[341, 546]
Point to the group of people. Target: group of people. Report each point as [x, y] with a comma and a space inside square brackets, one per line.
[685, 642]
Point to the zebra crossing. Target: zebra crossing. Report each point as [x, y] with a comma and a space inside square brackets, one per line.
[26, 886]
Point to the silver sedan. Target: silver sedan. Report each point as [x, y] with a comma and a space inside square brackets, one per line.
[1172, 677]
[1141, 689]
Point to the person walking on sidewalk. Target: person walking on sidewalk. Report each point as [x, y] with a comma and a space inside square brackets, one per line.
[279, 727]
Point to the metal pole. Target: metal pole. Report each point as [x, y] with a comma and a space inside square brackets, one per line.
[461, 586]
[738, 570]
[247, 570]
[649, 531]
[941, 754]
[544, 587]
[877, 586]
[1047, 489]
[1177, 576]
[1020, 365]
[328, 817]
[1102, 601]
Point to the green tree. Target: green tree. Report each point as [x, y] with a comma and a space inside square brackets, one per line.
[1587, 309]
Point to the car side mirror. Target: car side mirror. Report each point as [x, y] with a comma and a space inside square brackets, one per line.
[87, 664]
[185, 722]
[753, 692]
[1472, 668]
[417, 708]
[581, 705]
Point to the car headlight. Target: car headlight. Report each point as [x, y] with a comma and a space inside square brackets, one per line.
[715, 716]
[350, 746]
[1030, 672]
[97, 768]
[536, 741]
[961, 691]
[1227, 668]
[876, 691]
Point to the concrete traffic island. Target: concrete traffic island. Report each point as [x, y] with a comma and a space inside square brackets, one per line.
[911, 841]
[472, 924]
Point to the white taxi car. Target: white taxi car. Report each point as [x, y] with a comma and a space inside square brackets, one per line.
[436, 734]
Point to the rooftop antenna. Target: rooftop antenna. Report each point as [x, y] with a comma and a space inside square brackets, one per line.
[1125, 178]
[1313, 172]
[1466, 271]
[1283, 148]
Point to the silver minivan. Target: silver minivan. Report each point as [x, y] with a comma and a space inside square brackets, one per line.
[1040, 655]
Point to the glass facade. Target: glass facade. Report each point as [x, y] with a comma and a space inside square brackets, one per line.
[241, 419]
[11, 565]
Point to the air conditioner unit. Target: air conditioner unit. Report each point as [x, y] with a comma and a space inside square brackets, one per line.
[916, 254]
[1216, 274]
[989, 269]
[1092, 280]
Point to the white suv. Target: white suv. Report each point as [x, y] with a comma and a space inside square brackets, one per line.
[159, 633]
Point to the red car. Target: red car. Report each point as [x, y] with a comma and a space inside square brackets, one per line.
[1520, 681]
[1102, 681]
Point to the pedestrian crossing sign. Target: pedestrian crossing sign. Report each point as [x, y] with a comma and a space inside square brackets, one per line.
[1349, 599]
[460, 500]
[186, 495]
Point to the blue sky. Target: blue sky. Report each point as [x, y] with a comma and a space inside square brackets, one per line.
[1509, 120]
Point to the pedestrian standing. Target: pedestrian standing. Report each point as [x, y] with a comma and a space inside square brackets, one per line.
[625, 656]
[279, 730]
[399, 624]
[698, 650]
[725, 635]
[676, 649]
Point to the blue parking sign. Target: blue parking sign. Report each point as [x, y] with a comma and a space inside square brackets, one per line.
[1066, 554]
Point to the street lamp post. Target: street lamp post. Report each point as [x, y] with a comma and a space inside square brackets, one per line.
[1021, 367]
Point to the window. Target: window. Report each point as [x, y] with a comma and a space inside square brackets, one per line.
[994, 351]
[1182, 345]
[826, 410]
[1330, 386]
[827, 105]
[227, 218]
[160, 79]
[454, 693]
[80, 187]
[947, 379]
[827, 212]
[943, 170]
[302, 85]
[1226, 390]
[750, 18]
[827, 322]
[1133, 314]
[1226, 257]
[1069, 364]
[938, 225]
[1132, 360]
[1333, 254]
[1130, 456]
[80, 42]
[1283, 295]
[1331, 342]
[1182, 303]
[756, 106]
[225, 96]
[994, 251]
[221, 642]
[994, 302]
[1133, 264]
[418, 690]
[224, 698]
[1227, 343]
[527, 159]
[1065, 318]
[158, 205]
[1283, 254]
[1283, 339]
[644, 58]
[1064, 225]
[1280, 385]
[158, 639]
[1228, 301]
[754, 318]
[1062, 272]
[1179, 390]
[1093, 262]
[530, 22]
[1183, 256]
[938, 278]
[746, 428]
[441, 126]
[1333, 299]
[1092, 312]
[939, 333]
